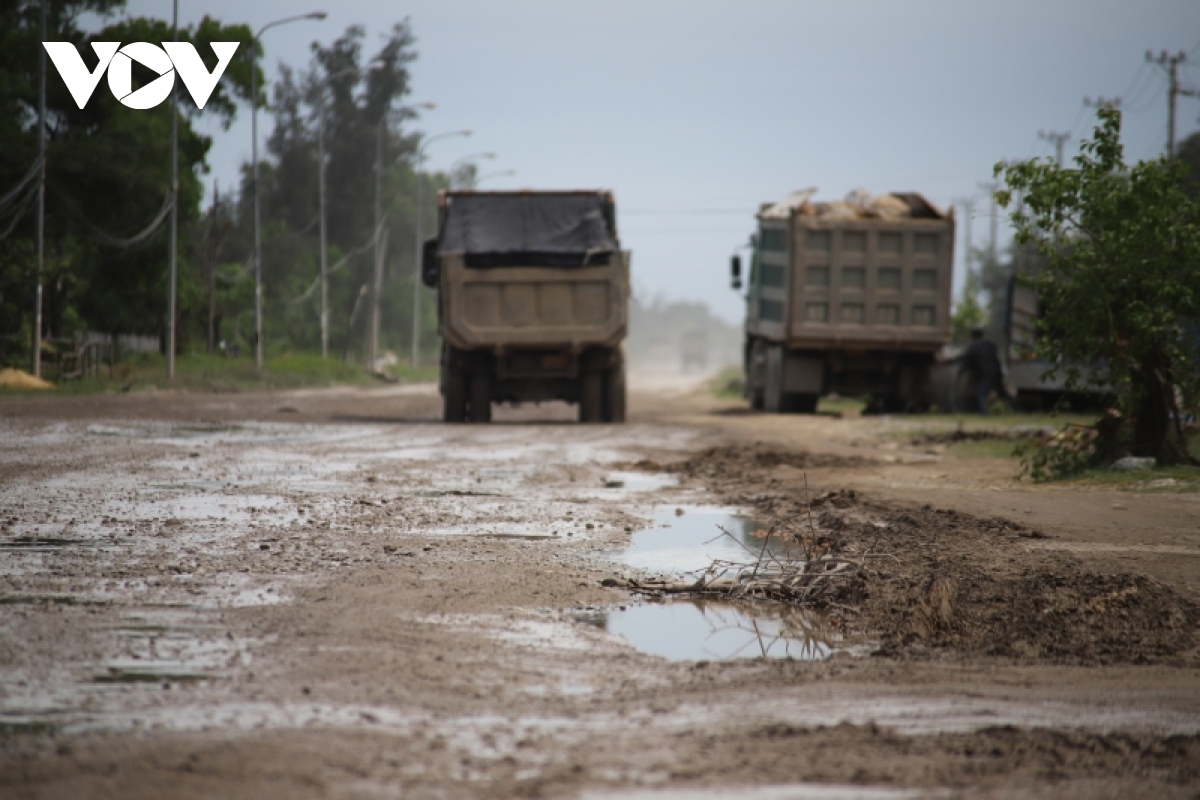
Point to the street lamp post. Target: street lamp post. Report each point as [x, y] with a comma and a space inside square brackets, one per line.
[417, 243]
[461, 162]
[258, 334]
[173, 255]
[501, 174]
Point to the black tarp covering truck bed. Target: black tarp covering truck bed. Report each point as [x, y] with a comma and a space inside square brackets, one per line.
[504, 229]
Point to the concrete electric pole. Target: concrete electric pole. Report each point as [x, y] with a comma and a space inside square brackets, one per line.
[1059, 138]
[1171, 64]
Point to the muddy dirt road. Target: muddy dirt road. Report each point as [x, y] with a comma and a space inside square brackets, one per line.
[330, 594]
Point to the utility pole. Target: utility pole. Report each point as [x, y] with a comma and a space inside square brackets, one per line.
[1101, 102]
[373, 347]
[968, 206]
[41, 215]
[324, 246]
[1058, 138]
[214, 220]
[1171, 64]
[172, 263]
[993, 220]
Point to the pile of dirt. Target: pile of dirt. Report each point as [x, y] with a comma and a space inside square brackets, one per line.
[733, 463]
[20, 379]
[1015, 433]
[939, 583]
[958, 583]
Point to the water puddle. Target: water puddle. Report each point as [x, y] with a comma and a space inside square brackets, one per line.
[52, 600]
[690, 538]
[639, 481]
[42, 544]
[118, 675]
[707, 631]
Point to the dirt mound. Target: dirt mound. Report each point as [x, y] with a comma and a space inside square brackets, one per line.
[953, 582]
[939, 582]
[19, 379]
[731, 463]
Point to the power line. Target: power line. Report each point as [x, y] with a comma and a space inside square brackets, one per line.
[16, 190]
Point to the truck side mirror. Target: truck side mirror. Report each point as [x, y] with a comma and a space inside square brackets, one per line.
[735, 269]
[430, 269]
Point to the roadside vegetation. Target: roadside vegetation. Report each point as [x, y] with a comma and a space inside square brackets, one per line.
[1120, 295]
[203, 373]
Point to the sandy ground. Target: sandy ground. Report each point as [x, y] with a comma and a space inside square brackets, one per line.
[329, 593]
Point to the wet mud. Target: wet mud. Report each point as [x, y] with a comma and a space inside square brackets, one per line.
[206, 601]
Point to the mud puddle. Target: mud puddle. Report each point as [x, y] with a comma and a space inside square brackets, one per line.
[42, 544]
[640, 481]
[707, 631]
[690, 538]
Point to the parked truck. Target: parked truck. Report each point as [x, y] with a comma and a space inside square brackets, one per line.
[533, 292]
[848, 297]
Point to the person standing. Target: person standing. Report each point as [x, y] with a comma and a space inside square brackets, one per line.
[983, 362]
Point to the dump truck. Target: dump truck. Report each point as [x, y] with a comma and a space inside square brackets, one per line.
[847, 297]
[533, 294]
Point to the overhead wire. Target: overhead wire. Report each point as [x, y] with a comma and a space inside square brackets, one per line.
[18, 213]
[21, 184]
[97, 234]
[344, 260]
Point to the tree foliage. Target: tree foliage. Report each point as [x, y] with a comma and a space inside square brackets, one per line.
[107, 171]
[1120, 287]
[360, 97]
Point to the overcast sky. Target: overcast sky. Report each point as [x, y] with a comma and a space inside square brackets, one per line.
[695, 111]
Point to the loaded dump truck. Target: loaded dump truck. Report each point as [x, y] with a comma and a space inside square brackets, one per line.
[533, 292]
[849, 297]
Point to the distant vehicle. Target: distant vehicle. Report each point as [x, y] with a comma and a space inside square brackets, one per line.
[848, 297]
[693, 351]
[1032, 380]
[533, 293]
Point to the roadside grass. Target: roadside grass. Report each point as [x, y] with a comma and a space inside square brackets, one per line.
[204, 373]
[840, 406]
[1179, 478]
[728, 384]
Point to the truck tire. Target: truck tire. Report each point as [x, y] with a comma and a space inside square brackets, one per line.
[803, 403]
[773, 402]
[454, 395]
[614, 394]
[481, 397]
[591, 396]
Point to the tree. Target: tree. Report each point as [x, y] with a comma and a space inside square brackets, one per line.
[1120, 287]
[360, 96]
[969, 313]
[107, 169]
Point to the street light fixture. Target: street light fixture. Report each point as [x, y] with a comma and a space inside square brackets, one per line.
[417, 243]
[258, 334]
[458, 163]
[501, 174]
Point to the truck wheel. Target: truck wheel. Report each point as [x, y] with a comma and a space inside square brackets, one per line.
[454, 395]
[614, 394]
[481, 397]
[591, 396]
[773, 393]
[804, 403]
